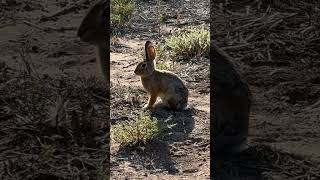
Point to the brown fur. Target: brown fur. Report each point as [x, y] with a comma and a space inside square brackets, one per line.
[158, 83]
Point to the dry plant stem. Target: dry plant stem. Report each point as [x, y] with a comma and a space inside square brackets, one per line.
[33, 25]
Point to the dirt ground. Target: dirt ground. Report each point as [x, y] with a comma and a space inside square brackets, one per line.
[182, 153]
[52, 108]
[276, 45]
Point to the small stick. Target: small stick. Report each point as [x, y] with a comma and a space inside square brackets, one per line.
[269, 54]
[33, 25]
[275, 24]
[236, 47]
[142, 17]
[247, 10]
[63, 11]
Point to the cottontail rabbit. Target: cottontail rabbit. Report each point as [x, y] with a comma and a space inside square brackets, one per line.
[232, 102]
[94, 30]
[167, 85]
[93, 27]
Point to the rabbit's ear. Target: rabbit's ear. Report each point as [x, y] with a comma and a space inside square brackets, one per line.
[150, 51]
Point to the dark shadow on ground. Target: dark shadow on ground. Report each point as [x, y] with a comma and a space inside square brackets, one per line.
[262, 162]
[179, 123]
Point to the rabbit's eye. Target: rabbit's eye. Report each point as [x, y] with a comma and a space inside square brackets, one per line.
[143, 65]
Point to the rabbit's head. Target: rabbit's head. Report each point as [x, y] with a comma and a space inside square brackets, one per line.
[93, 28]
[147, 67]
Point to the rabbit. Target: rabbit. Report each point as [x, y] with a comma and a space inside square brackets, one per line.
[94, 30]
[232, 100]
[165, 84]
[93, 27]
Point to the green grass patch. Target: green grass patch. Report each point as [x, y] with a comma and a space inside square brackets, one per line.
[163, 65]
[140, 130]
[163, 60]
[193, 42]
[121, 13]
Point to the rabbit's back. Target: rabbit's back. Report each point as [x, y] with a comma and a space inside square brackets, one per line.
[172, 89]
[170, 82]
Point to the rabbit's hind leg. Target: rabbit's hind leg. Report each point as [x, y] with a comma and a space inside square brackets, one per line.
[176, 105]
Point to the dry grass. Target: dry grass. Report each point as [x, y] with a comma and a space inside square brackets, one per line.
[121, 13]
[52, 122]
[140, 130]
[268, 162]
[189, 43]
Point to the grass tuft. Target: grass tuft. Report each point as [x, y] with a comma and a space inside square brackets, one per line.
[140, 130]
[190, 43]
[121, 13]
[162, 61]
